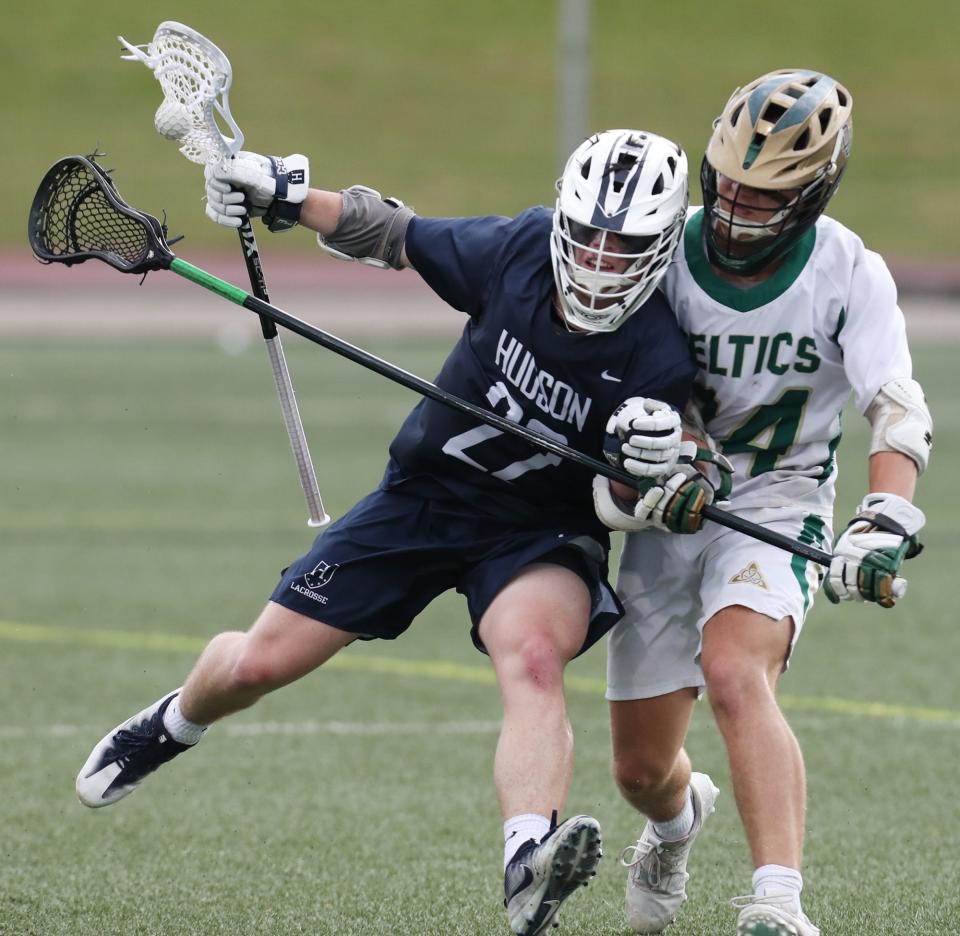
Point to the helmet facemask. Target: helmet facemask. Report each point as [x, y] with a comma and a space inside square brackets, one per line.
[606, 275]
[743, 246]
[783, 142]
[620, 212]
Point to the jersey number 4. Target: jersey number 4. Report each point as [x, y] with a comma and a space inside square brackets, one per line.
[472, 438]
[779, 421]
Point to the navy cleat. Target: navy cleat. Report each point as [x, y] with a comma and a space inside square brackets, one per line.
[121, 760]
[542, 876]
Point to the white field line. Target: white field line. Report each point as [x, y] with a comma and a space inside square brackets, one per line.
[806, 722]
[446, 670]
[291, 728]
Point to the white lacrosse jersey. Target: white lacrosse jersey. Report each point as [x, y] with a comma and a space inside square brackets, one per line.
[777, 361]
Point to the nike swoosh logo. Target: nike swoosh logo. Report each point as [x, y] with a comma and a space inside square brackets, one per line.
[523, 884]
[607, 376]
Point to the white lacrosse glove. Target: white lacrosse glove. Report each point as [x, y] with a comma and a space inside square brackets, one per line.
[643, 437]
[675, 504]
[868, 554]
[261, 186]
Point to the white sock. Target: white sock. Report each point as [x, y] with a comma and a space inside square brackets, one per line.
[181, 729]
[678, 828]
[777, 881]
[521, 829]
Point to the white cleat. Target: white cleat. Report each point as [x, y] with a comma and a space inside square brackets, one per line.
[657, 882]
[772, 916]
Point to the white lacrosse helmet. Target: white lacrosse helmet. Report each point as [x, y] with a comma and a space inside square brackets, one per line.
[619, 216]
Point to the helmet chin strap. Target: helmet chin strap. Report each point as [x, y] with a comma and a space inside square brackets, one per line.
[556, 307]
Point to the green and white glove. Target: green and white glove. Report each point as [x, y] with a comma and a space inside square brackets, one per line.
[868, 554]
[674, 504]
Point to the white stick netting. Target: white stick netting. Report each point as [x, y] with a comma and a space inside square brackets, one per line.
[195, 77]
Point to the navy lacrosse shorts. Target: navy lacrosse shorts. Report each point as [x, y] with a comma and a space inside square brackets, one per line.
[376, 568]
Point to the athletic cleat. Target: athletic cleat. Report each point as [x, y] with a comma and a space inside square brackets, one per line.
[656, 884]
[772, 916]
[542, 876]
[121, 760]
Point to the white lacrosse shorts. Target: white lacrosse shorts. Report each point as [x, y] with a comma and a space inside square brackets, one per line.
[672, 584]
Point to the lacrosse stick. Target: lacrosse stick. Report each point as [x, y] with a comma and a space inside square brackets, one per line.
[195, 77]
[77, 215]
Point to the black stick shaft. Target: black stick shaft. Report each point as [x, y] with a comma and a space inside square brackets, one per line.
[258, 282]
[431, 390]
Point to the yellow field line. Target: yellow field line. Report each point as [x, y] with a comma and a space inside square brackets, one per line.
[438, 669]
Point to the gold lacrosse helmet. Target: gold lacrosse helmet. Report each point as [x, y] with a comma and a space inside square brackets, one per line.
[788, 134]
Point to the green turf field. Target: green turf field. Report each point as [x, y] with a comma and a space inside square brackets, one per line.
[149, 500]
[452, 106]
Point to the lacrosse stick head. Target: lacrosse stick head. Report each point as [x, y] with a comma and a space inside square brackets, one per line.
[77, 215]
[195, 77]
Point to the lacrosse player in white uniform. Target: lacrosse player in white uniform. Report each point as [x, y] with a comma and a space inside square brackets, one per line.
[786, 312]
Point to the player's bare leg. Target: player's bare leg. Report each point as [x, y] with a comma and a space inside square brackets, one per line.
[236, 669]
[650, 766]
[534, 627]
[652, 770]
[742, 658]
[233, 672]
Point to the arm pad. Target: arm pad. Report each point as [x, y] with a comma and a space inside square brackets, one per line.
[371, 229]
[901, 421]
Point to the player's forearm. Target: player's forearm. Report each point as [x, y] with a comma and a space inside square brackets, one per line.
[892, 473]
[324, 211]
[321, 211]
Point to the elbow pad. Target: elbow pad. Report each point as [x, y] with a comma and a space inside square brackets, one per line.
[371, 229]
[901, 421]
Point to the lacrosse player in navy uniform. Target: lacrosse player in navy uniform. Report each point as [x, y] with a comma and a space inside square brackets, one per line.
[566, 334]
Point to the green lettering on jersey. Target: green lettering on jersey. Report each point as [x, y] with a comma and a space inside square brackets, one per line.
[761, 352]
[807, 354]
[780, 420]
[696, 349]
[773, 364]
[771, 354]
[739, 343]
[714, 367]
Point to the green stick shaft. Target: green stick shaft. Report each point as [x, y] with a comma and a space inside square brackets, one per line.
[209, 281]
[425, 388]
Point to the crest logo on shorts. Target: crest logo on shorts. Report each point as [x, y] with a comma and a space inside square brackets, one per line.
[320, 575]
[750, 575]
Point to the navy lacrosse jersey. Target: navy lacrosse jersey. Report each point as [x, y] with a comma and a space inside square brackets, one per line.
[516, 358]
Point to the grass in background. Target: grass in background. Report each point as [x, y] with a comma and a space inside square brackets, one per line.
[150, 500]
[453, 106]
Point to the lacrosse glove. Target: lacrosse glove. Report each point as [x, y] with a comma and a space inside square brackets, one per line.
[674, 504]
[868, 554]
[265, 187]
